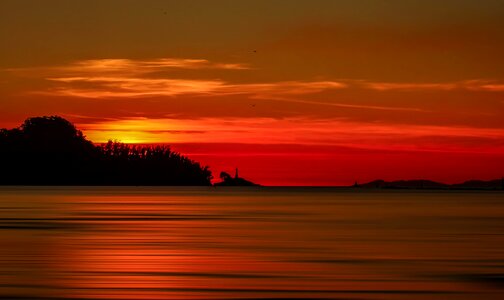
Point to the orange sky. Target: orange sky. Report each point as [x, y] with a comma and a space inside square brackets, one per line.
[305, 93]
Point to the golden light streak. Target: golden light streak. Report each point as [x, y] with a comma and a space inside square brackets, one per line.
[298, 131]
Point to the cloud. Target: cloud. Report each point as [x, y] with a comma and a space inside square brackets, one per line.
[334, 132]
[386, 86]
[113, 87]
[129, 78]
[492, 87]
[99, 86]
[146, 66]
[469, 85]
[485, 85]
[346, 105]
[125, 67]
[124, 78]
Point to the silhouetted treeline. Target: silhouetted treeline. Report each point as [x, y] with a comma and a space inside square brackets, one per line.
[51, 151]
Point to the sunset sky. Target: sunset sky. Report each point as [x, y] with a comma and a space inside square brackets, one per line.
[291, 92]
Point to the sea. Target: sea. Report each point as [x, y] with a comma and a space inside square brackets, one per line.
[250, 243]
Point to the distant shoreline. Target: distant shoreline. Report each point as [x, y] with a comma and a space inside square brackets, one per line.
[262, 187]
[376, 185]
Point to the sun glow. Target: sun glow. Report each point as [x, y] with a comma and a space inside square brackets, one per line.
[130, 137]
[297, 131]
[133, 131]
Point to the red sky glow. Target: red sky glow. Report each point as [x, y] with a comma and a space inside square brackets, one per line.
[313, 93]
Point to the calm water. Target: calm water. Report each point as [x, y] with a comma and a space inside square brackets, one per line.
[206, 243]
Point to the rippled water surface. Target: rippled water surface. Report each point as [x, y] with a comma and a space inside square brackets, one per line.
[238, 243]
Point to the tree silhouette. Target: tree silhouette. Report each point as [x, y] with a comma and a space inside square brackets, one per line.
[51, 151]
[224, 176]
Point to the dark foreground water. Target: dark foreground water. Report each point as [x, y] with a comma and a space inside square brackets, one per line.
[236, 243]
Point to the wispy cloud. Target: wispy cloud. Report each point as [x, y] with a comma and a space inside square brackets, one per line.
[346, 105]
[126, 67]
[129, 78]
[335, 132]
[387, 86]
[470, 85]
[147, 66]
[485, 85]
[109, 87]
[112, 87]
[119, 78]
[117, 86]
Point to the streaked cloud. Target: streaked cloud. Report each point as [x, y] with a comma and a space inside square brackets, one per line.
[131, 79]
[126, 67]
[485, 85]
[492, 87]
[470, 85]
[284, 91]
[111, 87]
[131, 66]
[335, 132]
[116, 78]
[346, 105]
[386, 86]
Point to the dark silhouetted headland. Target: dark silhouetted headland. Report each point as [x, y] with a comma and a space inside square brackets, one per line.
[51, 151]
[227, 180]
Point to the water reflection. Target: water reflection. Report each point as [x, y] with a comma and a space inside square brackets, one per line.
[204, 243]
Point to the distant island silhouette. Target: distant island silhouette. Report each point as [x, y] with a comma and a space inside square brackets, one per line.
[497, 184]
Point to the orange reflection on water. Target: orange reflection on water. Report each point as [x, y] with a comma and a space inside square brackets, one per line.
[174, 243]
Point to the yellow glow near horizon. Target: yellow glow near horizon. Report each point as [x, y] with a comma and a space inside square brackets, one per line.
[131, 131]
[128, 137]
